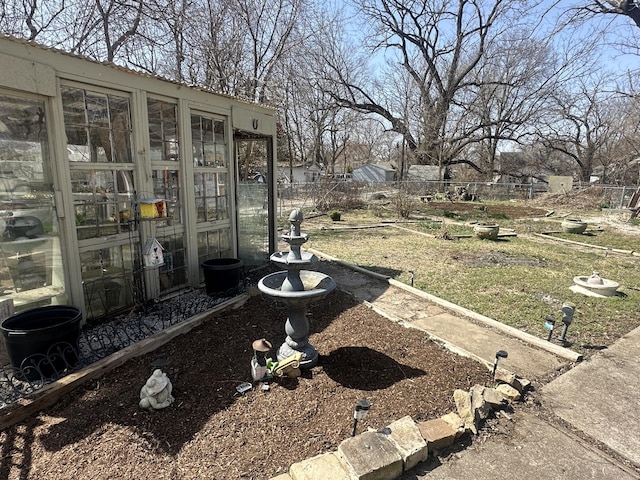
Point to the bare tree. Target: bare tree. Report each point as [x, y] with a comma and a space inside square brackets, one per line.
[209, 46]
[30, 18]
[622, 151]
[272, 28]
[510, 96]
[584, 126]
[439, 46]
[628, 8]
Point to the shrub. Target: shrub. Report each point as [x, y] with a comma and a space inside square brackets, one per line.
[404, 204]
[335, 215]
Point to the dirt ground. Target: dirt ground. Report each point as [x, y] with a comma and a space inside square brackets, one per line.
[488, 210]
[211, 431]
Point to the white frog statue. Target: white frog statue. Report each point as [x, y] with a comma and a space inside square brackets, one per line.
[156, 392]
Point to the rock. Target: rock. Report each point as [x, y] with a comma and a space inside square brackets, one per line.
[326, 465]
[494, 398]
[453, 419]
[521, 384]
[370, 456]
[408, 440]
[508, 392]
[502, 375]
[481, 409]
[463, 406]
[437, 433]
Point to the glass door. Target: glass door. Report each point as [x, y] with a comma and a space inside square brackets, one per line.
[253, 160]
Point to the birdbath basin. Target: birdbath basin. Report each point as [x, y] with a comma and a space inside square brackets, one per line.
[597, 285]
[316, 286]
[487, 231]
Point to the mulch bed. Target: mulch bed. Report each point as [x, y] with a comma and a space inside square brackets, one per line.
[211, 431]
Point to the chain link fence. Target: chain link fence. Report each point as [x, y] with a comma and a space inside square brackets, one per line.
[334, 194]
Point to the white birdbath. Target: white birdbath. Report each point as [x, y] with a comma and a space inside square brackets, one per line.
[595, 286]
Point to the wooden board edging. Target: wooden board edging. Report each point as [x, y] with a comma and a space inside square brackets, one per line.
[51, 393]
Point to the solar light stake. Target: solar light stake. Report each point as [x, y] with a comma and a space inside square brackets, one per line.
[361, 411]
[568, 309]
[549, 324]
[499, 354]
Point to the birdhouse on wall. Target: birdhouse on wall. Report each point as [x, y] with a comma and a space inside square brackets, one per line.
[153, 253]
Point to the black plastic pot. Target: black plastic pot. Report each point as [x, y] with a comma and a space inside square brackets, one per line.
[43, 341]
[221, 274]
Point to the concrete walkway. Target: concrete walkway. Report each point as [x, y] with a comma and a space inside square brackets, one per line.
[596, 398]
[601, 397]
[457, 330]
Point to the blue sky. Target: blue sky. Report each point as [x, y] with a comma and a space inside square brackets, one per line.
[608, 29]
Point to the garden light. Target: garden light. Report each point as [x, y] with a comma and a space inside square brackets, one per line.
[361, 411]
[549, 324]
[499, 354]
[568, 309]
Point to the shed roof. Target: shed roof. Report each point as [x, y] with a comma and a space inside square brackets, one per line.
[39, 46]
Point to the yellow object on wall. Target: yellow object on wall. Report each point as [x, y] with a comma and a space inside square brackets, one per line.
[153, 208]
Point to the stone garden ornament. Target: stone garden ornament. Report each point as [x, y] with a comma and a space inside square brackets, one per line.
[156, 392]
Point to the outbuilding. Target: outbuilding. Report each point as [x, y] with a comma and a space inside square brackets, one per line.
[374, 173]
[98, 161]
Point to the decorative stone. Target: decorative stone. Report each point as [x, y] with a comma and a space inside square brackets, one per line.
[371, 456]
[508, 392]
[481, 409]
[494, 398]
[521, 384]
[463, 406]
[156, 392]
[437, 433]
[405, 434]
[453, 419]
[502, 375]
[326, 465]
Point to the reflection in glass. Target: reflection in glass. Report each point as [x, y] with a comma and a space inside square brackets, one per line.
[30, 264]
[173, 273]
[108, 279]
[166, 185]
[211, 196]
[98, 126]
[102, 202]
[163, 130]
[208, 140]
[253, 194]
[213, 244]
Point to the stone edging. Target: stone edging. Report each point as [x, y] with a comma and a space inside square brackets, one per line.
[402, 445]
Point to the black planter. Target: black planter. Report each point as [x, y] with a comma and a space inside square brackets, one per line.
[43, 341]
[221, 274]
